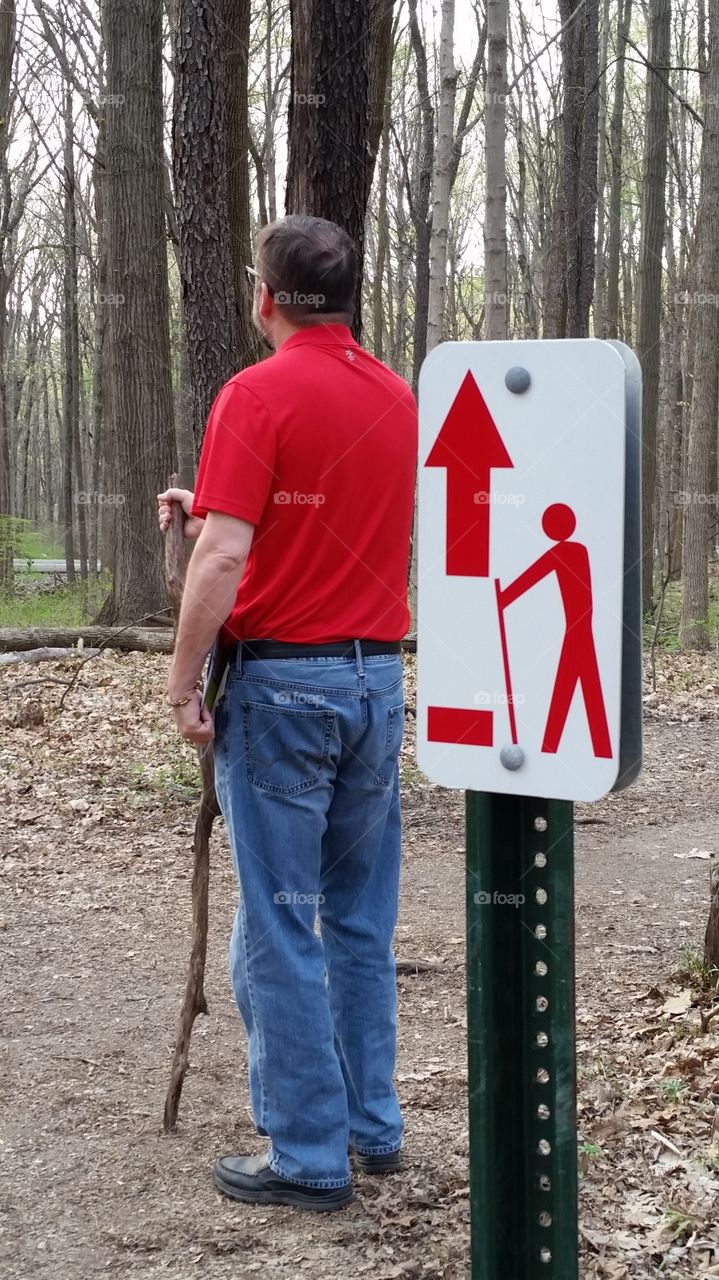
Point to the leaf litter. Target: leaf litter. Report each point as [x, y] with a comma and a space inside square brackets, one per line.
[95, 861]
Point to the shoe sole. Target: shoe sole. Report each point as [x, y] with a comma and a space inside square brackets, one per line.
[295, 1198]
[390, 1163]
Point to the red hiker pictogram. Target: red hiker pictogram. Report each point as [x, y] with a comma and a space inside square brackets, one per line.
[578, 658]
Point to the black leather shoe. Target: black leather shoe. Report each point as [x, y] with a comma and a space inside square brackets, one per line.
[390, 1162]
[250, 1179]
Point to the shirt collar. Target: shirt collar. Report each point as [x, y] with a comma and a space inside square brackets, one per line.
[320, 335]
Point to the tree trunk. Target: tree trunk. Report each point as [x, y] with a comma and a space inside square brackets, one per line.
[201, 157]
[443, 167]
[700, 481]
[649, 303]
[580, 121]
[328, 170]
[420, 200]
[495, 133]
[600, 285]
[138, 328]
[616, 138]
[381, 13]
[126, 639]
[383, 246]
[7, 54]
[71, 388]
[235, 37]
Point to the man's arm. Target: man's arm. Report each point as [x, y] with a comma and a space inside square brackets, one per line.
[214, 574]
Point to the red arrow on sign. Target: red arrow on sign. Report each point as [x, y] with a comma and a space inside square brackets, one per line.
[469, 446]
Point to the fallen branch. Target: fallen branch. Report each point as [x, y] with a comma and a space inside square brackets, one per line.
[419, 966]
[44, 655]
[194, 1001]
[127, 639]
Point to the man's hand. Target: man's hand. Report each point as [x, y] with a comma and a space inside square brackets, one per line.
[216, 568]
[194, 722]
[193, 525]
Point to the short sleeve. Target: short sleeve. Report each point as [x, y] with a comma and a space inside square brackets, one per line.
[237, 461]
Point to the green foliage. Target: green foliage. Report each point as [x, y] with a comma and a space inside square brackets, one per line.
[673, 1090]
[591, 1150]
[27, 541]
[178, 780]
[695, 973]
[680, 1223]
[63, 607]
[668, 636]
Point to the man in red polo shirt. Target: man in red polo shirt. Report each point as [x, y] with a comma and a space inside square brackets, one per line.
[303, 507]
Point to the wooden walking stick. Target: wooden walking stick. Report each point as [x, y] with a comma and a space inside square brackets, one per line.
[194, 1001]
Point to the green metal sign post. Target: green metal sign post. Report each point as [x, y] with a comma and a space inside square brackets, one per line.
[522, 1080]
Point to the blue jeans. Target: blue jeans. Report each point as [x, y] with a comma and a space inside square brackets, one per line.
[307, 778]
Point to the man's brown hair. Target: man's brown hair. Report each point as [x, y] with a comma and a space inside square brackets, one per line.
[310, 267]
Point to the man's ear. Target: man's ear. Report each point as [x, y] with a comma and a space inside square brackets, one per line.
[266, 301]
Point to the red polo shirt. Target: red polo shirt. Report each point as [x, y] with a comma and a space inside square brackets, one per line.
[317, 448]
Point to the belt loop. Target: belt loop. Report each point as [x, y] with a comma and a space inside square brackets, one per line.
[238, 659]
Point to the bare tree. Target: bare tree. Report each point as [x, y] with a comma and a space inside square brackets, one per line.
[442, 180]
[495, 203]
[580, 123]
[138, 327]
[329, 172]
[201, 155]
[616, 138]
[7, 53]
[650, 267]
[700, 488]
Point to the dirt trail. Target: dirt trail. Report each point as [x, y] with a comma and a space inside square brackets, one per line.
[95, 865]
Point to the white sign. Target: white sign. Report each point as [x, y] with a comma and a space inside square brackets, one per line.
[520, 566]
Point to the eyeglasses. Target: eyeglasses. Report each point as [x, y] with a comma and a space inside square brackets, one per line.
[254, 278]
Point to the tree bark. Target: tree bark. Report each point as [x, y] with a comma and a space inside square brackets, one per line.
[616, 139]
[580, 121]
[7, 54]
[600, 278]
[700, 488]
[442, 186]
[127, 639]
[420, 200]
[383, 245]
[75, 504]
[649, 303]
[201, 158]
[495, 133]
[138, 326]
[329, 170]
[235, 37]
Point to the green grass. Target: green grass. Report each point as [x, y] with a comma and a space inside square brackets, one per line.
[668, 635]
[65, 607]
[36, 544]
[179, 780]
[673, 1090]
[29, 541]
[695, 972]
[590, 1149]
